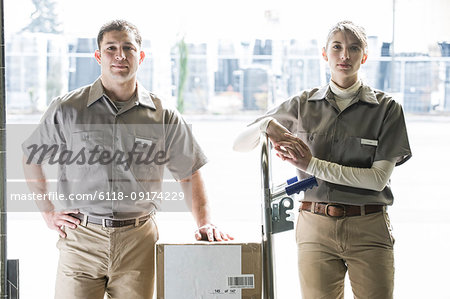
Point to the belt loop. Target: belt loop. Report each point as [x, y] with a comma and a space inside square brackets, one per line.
[363, 210]
[85, 220]
[104, 222]
[136, 222]
[313, 207]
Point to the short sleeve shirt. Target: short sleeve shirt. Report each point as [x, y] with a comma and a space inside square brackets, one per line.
[100, 150]
[371, 128]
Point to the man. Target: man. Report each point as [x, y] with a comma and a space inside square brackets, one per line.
[113, 139]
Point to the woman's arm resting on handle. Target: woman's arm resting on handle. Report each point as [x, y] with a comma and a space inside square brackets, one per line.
[249, 138]
[296, 152]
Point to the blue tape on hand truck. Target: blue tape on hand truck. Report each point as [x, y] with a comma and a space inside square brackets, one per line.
[293, 180]
[302, 185]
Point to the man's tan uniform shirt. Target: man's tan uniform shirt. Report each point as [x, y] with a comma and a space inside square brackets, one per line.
[118, 155]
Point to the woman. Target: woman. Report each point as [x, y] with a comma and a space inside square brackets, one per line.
[350, 137]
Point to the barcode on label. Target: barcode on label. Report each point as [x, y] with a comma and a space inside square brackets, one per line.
[241, 281]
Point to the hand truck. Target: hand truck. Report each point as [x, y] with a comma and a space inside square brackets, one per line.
[276, 206]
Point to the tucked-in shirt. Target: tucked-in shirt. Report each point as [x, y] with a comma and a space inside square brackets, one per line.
[371, 128]
[100, 150]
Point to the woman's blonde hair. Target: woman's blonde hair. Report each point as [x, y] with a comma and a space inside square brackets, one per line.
[349, 27]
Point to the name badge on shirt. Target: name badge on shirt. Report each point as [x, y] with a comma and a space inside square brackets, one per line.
[369, 142]
[143, 141]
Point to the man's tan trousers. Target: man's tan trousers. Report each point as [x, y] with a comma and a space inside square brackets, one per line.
[116, 261]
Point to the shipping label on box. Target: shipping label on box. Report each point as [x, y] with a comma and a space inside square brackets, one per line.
[209, 271]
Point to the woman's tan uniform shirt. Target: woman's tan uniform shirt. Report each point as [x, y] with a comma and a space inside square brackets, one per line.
[371, 128]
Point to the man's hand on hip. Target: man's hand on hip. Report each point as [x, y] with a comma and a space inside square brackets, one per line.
[57, 219]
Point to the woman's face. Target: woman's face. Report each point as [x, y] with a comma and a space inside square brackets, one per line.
[345, 56]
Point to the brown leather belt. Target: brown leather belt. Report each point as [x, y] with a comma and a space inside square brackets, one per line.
[107, 222]
[339, 210]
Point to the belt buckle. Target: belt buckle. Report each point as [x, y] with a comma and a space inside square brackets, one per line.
[338, 206]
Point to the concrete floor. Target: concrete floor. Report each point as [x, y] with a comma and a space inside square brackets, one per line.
[420, 214]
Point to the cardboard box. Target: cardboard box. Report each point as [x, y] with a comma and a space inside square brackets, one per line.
[204, 270]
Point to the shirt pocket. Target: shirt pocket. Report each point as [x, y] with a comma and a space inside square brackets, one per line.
[87, 147]
[146, 165]
[89, 142]
[317, 143]
[358, 152]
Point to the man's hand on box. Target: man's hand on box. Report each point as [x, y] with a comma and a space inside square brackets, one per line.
[210, 232]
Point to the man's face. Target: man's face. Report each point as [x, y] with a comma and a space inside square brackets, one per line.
[119, 57]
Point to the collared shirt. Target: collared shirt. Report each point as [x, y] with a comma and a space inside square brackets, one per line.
[117, 157]
[371, 128]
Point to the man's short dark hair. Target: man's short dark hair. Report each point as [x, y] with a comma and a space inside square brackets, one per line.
[119, 25]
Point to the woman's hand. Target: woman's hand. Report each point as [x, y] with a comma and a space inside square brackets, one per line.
[294, 150]
[275, 131]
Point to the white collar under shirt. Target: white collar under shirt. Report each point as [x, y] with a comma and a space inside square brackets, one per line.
[343, 96]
